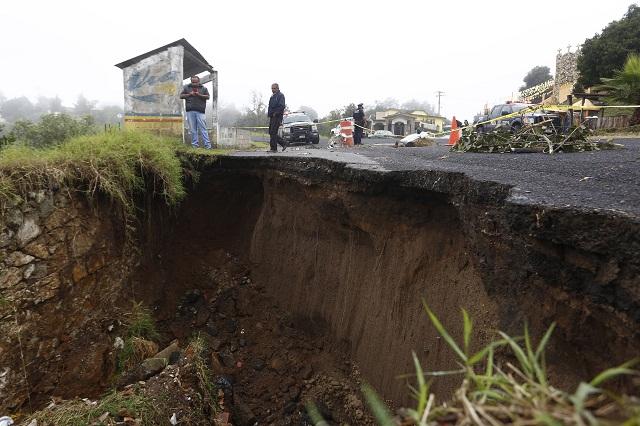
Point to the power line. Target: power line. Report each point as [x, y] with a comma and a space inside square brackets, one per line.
[439, 94]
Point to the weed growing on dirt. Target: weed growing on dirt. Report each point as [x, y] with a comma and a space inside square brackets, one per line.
[121, 165]
[80, 412]
[195, 351]
[494, 393]
[139, 327]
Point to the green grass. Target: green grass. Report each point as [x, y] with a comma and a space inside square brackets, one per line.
[514, 390]
[139, 324]
[197, 349]
[79, 412]
[121, 165]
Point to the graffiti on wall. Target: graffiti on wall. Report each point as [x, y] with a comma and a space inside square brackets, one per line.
[152, 86]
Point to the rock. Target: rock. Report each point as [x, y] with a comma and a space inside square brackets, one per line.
[45, 207]
[17, 258]
[212, 328]
[166, 352]
[118, 343]
[258, 364]
[216, 365]
[27, 231]
[95, 263]
[47, 288]
[242, 414]
[294, 393]
[5, 238]
[9, 277]
[227, 358]
[37, 249]
[28, 271]
[152, 366]
[231, 325]
[14, 218]
[306, 372]
[202, 316]
[81, 244]
[174, 357]
[277, 364]
[78, 272]
[40, 270]
[289, 408]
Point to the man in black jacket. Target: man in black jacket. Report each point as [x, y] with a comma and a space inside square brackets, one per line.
[195, 96]
[358, 119]
[275, 113]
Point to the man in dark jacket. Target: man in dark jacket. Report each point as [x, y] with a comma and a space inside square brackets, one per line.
[359, 121]
[195, 96]
[275, 113]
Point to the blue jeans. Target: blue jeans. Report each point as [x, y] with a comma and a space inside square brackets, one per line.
[197, 124]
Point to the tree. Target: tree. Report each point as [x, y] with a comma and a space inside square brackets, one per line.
[604, 53]
[17, 108]
[228, 115]
[51, 129]
[311, 113]
[83, 106]
[414, 105]
[255, 113]
[624, 87]
[536, 76]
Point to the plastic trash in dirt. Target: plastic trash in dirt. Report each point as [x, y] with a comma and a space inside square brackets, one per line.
[418, 139]
[6, 421]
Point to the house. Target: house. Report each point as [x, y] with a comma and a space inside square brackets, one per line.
[152, 85]
[404, 122]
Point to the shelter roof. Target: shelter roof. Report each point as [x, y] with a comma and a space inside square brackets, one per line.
[193, 63]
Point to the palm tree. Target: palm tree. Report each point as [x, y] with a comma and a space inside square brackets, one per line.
[624, 87]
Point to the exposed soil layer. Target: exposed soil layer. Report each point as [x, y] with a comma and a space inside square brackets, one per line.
[326, 290]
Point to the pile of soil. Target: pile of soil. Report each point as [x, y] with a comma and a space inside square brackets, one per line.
[268, 363]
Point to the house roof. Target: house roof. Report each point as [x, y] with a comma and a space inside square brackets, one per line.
[383, 115]
[193, 63]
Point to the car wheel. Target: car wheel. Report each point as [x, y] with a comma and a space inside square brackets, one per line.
[316, 142]
[515, 127]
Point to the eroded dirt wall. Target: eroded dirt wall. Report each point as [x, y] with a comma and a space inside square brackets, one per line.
[63, 274]
[364, 262]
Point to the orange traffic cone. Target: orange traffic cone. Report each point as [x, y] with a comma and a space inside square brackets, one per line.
[454, 137]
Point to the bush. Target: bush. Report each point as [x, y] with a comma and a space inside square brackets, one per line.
[52, 129]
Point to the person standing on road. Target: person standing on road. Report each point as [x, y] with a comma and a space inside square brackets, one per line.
[275, 113]
[358, 118]
[195, 96]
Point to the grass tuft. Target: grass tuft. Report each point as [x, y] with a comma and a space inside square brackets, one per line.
[139, 325]
[121, 165]
[196, 350]
[81, 412]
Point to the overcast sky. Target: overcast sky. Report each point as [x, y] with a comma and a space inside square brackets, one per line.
[324, 54]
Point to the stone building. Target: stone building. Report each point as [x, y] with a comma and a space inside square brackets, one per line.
[405, 122]
[566, 74]
[152, 85]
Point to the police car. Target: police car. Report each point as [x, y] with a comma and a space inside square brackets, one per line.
[297, 127]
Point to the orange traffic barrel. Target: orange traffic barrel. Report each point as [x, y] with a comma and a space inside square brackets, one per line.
[346, 131]
[454, 137]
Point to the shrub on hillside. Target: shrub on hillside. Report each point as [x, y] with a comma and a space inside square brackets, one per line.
[52, 129]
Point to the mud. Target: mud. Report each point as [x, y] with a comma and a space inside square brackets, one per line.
[307, 278]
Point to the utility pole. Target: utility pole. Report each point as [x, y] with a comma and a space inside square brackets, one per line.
[439, 94]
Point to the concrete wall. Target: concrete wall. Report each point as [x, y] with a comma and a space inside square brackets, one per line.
[151, 92]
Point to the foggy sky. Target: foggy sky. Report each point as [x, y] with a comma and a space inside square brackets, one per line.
[323, 54]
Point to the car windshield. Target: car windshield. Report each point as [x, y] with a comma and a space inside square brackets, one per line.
[296, 118]
[517, 108]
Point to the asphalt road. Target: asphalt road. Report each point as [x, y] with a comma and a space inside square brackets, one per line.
[607, 180]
